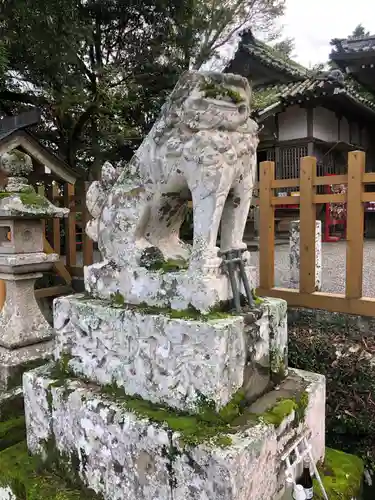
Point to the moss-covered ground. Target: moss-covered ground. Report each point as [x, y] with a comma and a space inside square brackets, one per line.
[12, 432]
[23, 474]
[342, 476]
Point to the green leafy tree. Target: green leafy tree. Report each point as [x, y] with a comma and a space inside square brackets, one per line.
[359, 32]
[101, 69]
[285, 47]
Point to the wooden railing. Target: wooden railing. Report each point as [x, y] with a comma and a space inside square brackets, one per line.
[72, 197]
[352, 301]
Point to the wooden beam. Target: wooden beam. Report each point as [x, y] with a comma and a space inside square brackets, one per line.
[53, 291]
[76, 271]
[2, 293]
[58, 266]
[56, 223]
[327, 180]
[355, 225]
[285, 200]
[87, 243]
[284, 183]
[307, 225]
[329, 198]
[266, 225]
[366, 197]
[364, 306]
[369, 178]
[70, 227]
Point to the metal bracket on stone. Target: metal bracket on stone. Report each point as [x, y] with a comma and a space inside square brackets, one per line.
[232, 260]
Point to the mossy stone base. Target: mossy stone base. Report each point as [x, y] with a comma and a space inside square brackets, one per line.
[22, 476]
[342, 476]
[156, 452]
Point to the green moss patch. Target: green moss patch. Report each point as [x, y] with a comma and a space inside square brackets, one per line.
[214, 90]
[29, 198]
[189, 314]
[204, 426]
[342, 476]
[12, 431]
[169, 266]
[34, 200]
[279, 412]
[24, 475]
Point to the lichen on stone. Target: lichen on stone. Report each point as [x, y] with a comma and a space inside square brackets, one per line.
[277, 364]
[342, 476]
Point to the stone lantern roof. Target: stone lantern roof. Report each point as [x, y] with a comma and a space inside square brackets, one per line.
[19, 199]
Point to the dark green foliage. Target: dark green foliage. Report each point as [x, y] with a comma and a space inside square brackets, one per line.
[100, 70]
[350, 375]
[359, 32]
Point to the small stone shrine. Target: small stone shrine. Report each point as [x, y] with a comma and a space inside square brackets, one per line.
[25, 335]
[159, 390]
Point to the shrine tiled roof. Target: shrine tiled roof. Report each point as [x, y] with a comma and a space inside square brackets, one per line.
[270, 57]
[355, 45]
[269, 97]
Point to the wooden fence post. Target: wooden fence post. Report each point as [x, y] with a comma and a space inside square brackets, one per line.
[87, 243]
[266, 226]
[355, 225]
[70, 226]
[56, 237]
[2, 293]
[307, 221]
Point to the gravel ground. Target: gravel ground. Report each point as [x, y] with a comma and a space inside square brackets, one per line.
[333, 267]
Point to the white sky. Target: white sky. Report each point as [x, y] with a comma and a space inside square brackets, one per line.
[313, 23]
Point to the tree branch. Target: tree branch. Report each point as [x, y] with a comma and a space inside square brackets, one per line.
[81, 122]
[8, 95]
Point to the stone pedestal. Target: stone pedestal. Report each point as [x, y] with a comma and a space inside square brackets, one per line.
[124, 448]
[174, 358]
[155, 404]
[176, 290]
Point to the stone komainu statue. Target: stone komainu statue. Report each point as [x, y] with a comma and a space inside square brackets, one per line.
[202, 147]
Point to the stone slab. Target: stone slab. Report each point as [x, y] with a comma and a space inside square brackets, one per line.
[177, 290]
[169, 360]
[123, 455]
[11, 404]
[14, 362]
[294, 255]
[25, 263]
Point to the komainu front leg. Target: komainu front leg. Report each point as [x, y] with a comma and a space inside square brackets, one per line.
[235, 215]
[207, 209]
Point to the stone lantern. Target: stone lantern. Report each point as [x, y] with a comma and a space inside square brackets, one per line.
[25, 335]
